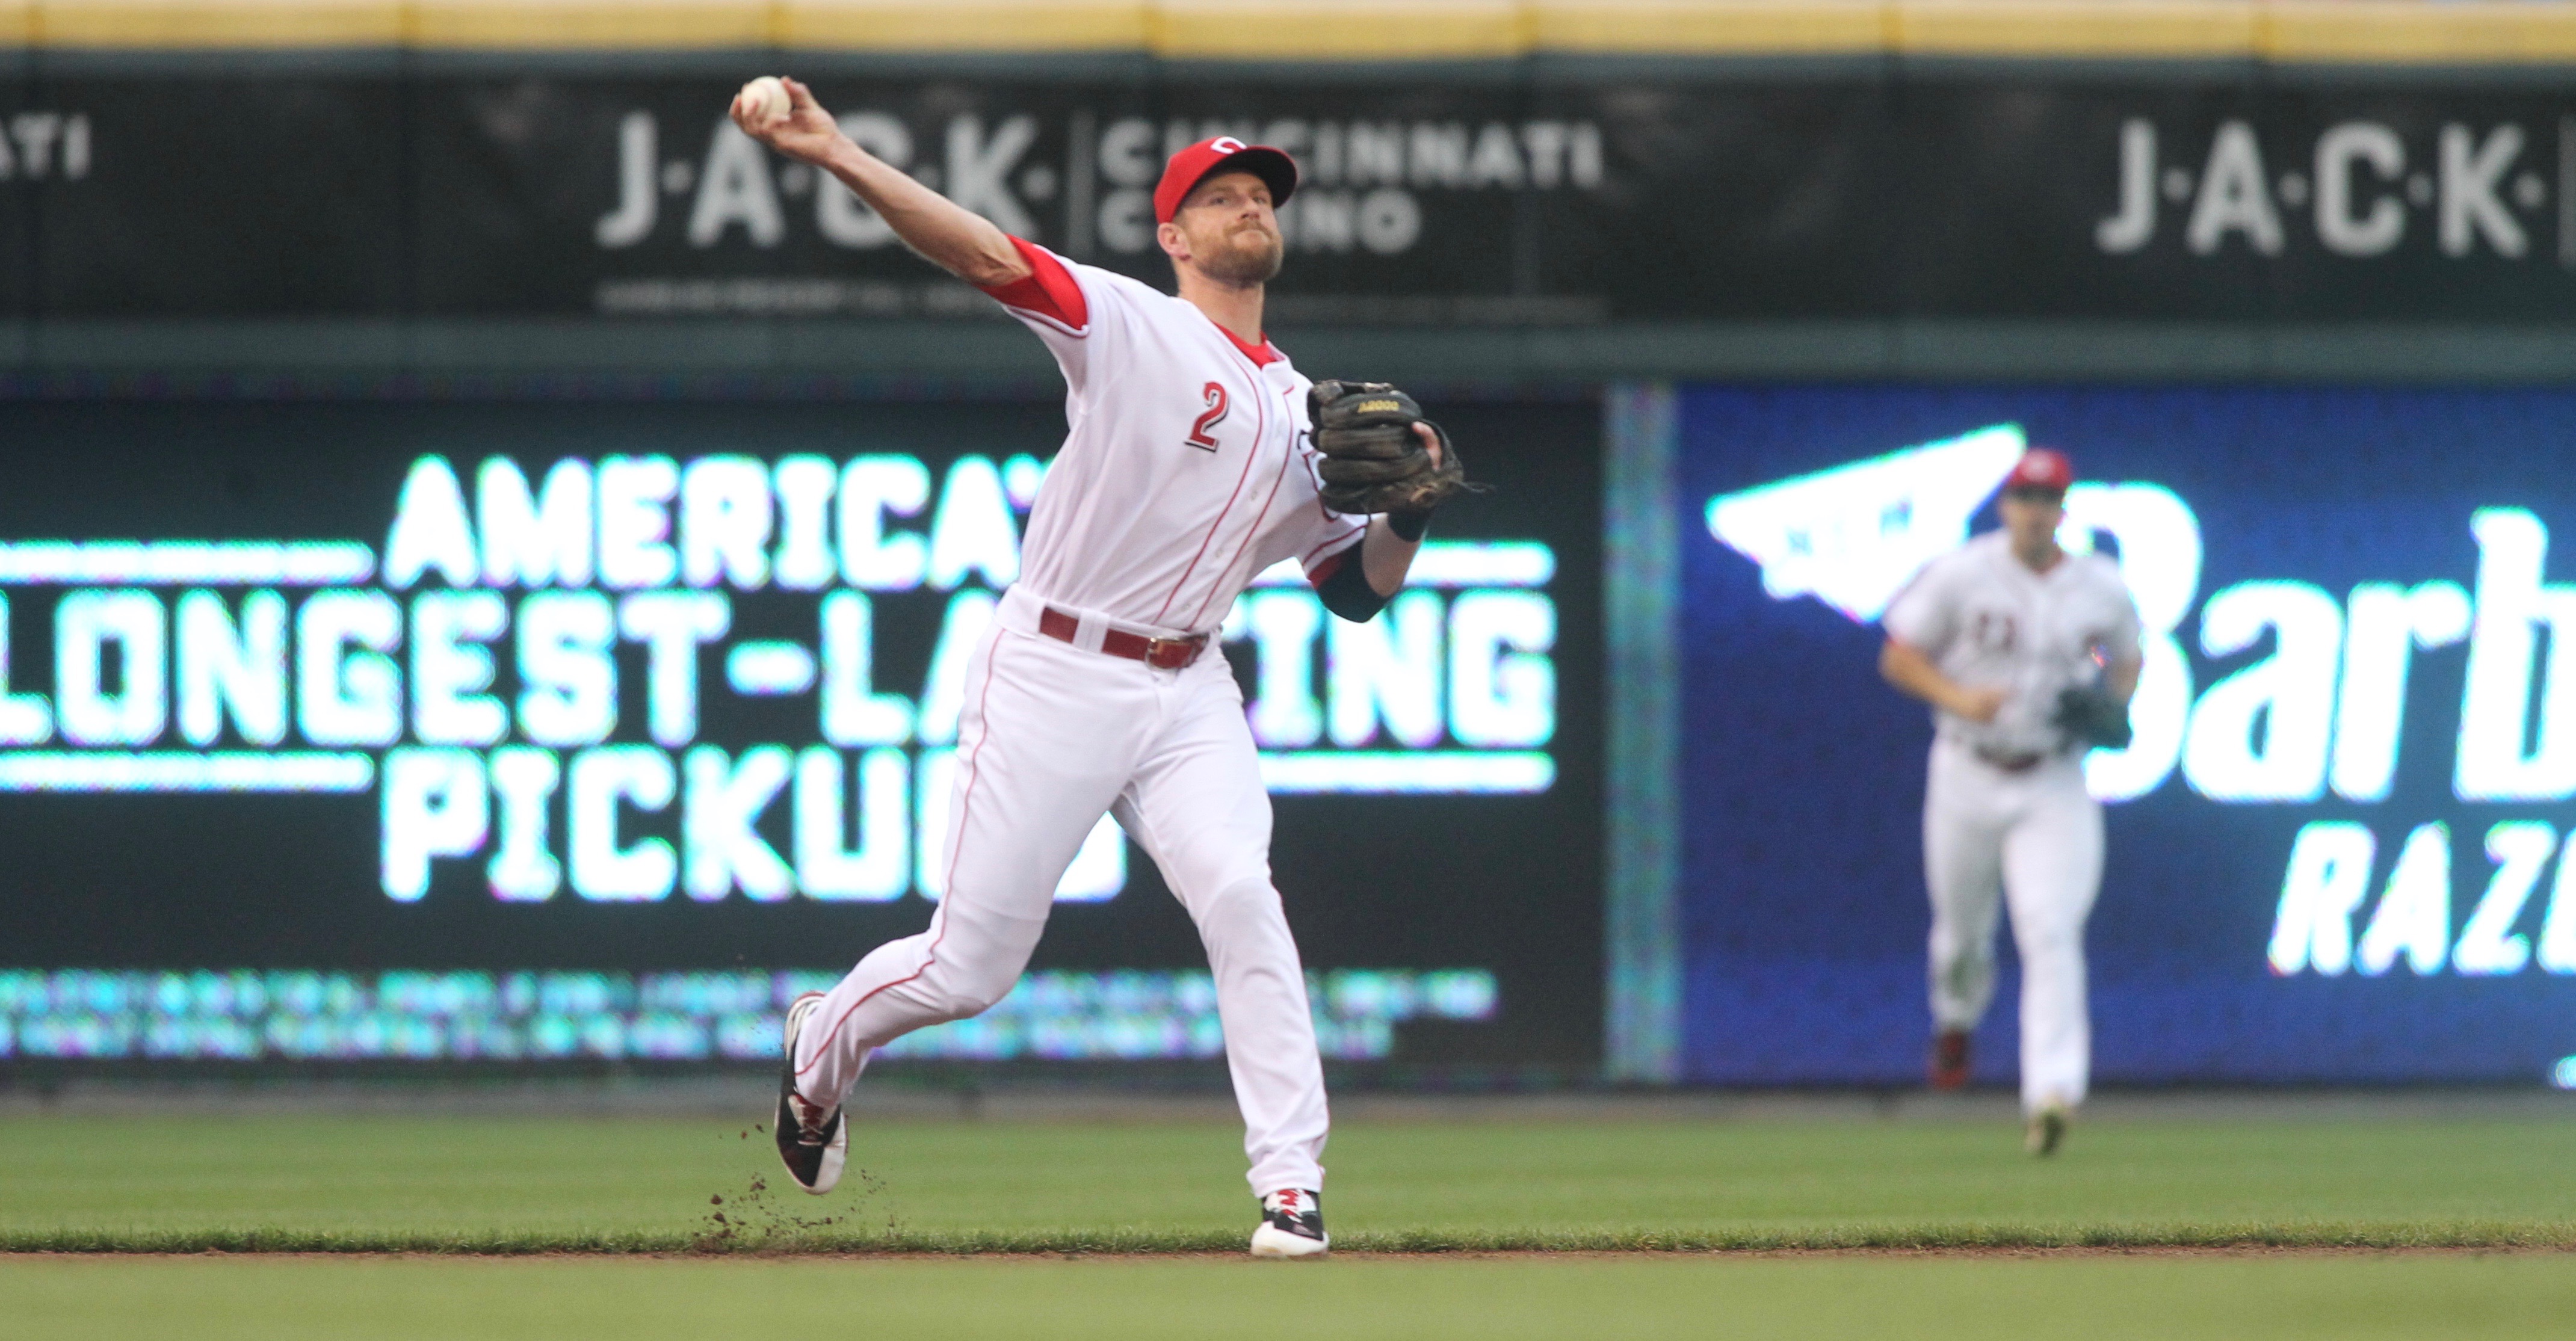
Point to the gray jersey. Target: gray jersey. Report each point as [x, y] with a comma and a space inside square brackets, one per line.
[1986, 620]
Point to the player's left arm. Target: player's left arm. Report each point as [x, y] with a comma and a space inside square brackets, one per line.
[2120, 676]
[2123, 653]
[2097, 715]
[1369, 574]
[1386, 552]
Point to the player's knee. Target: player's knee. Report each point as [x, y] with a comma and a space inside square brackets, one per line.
[1244, 923]
[979, 993]
[958, 991]
[1248, 898]
[2055, 948]
[966, 1005]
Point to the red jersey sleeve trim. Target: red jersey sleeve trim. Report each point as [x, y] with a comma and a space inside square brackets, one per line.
[1049, 290]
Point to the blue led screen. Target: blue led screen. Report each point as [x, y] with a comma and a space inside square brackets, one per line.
[2338, 846]
[563, 707]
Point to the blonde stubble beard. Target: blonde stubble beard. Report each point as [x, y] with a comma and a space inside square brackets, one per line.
[1256, 261]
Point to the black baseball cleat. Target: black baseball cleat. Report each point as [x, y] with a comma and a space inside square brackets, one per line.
[812, 1140]
[2044, 1131]
[1292, 1225]
[1949, 1063]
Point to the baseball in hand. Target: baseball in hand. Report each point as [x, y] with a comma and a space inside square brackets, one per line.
[763, 100]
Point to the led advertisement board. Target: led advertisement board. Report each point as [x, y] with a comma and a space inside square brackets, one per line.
[2338, 845]
[522, 731]
[1656, 192]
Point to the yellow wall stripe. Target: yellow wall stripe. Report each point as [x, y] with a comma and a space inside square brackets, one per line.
[2130, 28]
[1696, 27]
[965, 25]
[591, 24]
[1341, 30]
[2379, 31]
[204, 23]
[2467, 32]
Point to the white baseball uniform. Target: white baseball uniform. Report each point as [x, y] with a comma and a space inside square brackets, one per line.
[1185, 471]
[2005, 805]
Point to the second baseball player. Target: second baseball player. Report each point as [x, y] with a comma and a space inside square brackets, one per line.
[2028, 655]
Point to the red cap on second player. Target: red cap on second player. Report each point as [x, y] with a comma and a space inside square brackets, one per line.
[1191, 166]
[2041, 468]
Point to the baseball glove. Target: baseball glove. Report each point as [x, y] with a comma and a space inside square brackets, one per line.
[2087, 714]
[1373, 460]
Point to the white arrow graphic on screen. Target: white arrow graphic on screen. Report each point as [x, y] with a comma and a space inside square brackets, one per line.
[1854, 535]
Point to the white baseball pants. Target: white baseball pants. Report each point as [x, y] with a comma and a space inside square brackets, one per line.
[2035, 837]
[1052, 735]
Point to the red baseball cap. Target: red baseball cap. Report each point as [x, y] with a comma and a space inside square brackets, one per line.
[1197, 163]
[2041, 468]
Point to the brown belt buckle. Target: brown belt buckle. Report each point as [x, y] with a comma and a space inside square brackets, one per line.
[1173, 653]
[1159, 653]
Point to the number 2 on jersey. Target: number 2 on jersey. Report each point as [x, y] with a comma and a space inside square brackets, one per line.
[1214, 394]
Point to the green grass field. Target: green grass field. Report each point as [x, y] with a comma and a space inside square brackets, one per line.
[1472, 1228]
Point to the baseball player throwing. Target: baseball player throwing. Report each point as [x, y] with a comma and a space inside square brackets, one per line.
[2028, 656]
[1196, 456]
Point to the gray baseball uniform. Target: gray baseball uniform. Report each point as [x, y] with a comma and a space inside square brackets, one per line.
[2005, 808]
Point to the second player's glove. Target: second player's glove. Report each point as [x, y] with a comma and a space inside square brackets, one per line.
[2089, 715]
[1373, 460]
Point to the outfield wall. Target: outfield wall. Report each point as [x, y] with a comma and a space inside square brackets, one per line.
[258, 262]
[338, 194]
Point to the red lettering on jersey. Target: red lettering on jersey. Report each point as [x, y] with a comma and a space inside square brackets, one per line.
[1994, 632]
[1214, 394]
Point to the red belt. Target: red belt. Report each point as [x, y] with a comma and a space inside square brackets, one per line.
[1159, 653]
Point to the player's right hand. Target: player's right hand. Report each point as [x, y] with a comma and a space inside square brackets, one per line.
[806, 132]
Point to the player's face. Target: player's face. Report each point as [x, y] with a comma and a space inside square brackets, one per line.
[2031, 515]
[1227, 229]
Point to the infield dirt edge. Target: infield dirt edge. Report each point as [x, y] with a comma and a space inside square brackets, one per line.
[754, 1242]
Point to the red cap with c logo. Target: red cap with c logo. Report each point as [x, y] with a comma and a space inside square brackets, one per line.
[1193, 165]
[2041, 468]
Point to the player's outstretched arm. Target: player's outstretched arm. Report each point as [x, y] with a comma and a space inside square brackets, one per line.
[1909, 670]
[946, 234]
